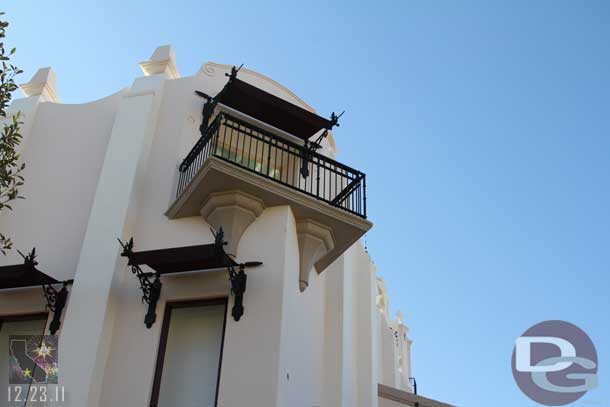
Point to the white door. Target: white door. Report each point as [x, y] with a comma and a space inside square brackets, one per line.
[191, 358]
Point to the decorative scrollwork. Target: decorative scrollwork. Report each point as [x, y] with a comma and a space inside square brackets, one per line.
[145, 284]
[310, 147]
[56, 302]
[238, 288]
[238, 279]
[151, 290]
[50, 294]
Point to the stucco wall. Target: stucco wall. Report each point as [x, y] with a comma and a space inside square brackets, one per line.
[64, 148]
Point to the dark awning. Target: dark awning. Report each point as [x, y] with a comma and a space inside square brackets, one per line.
[27, 275]
[23, 275]
[273, 110]
[181, 259]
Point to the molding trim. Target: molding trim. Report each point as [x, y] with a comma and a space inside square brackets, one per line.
[408, 399]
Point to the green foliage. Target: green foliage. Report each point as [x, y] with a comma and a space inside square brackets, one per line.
[10, 167]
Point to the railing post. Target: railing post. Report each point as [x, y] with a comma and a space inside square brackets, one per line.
[269, 156]
[216, 137]
[317, 179]
[364, 194]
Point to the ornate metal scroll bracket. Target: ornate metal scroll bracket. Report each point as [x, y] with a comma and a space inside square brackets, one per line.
[238, 288]
[56, 302]
[238, 279]
[151, 290]
[56, 299]
[211, 102]
[311, 147]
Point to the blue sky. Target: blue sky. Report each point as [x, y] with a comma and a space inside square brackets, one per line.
[483, 127]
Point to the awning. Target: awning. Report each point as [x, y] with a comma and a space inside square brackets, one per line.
[23, 275]
[27, 275]
[272, 110]
[182, 259]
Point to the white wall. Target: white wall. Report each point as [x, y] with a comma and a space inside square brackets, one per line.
[63, 150]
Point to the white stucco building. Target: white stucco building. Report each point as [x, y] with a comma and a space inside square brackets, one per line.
[311, 324]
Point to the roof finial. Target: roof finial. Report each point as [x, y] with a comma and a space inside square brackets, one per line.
[161, 62]
[234, 72]
[42, 84]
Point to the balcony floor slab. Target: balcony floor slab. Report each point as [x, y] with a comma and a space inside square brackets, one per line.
[217, 175]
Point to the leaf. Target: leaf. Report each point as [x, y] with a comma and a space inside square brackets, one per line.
[10, 138]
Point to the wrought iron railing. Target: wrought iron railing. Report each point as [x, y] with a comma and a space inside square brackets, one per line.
[254, 149]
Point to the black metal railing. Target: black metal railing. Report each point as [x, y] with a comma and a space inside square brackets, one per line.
[264, 153]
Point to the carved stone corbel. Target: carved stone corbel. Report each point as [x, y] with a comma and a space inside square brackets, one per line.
[233, 211]
[315, 241]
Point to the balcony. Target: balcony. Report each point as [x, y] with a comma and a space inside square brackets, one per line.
[260, 152]
[255, 152]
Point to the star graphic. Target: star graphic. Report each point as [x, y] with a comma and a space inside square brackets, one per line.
[43, 351]
[27, 372]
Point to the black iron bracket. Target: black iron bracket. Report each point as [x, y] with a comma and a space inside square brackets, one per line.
[238, 288]
[56, 299]
[211, 102]
[151, 290]
[238, 279]
[310, 147]
[56, 302]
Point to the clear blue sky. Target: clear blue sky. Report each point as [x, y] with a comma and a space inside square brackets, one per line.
[483, 127]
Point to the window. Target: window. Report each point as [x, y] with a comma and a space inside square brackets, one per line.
[252, 161]
[33, 324]
[190, 354]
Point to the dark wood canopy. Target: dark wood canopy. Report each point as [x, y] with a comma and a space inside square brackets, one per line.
[23, 275]
[182, 259]
[272, 110]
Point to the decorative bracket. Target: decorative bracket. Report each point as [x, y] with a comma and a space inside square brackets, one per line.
[211, 102]
[238, 279]
[56, 299]
[56, 302]
[310, 147]
[238, 288]
[151, 290]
